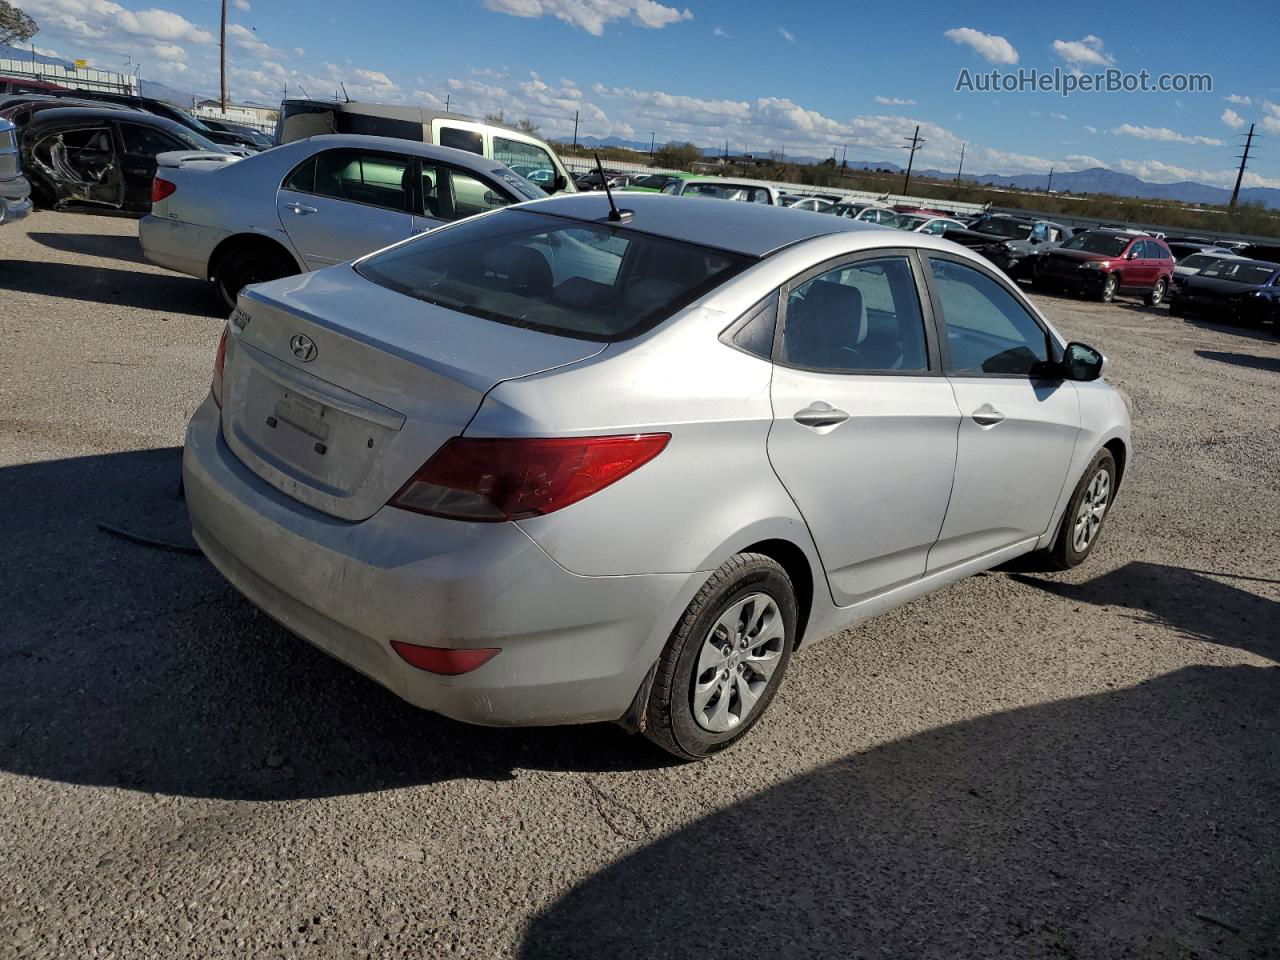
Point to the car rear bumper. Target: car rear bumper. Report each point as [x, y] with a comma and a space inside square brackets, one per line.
[574, 649]
[178, 245]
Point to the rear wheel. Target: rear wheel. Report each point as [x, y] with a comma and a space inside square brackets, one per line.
[1082, 523]
[250, 263]
[1156, 296]
[724, 660]
[1109, 288]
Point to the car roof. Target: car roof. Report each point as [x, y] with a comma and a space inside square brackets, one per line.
[732, 181]
[460, 158]
[754, 229]
[105, 113]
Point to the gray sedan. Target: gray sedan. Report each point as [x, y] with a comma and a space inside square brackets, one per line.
[310, 204]
[550, 465]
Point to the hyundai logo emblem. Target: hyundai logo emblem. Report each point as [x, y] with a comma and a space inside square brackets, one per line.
[303, 347]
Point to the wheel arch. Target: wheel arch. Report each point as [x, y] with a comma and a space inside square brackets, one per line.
[795, 562]
[1120, 453]
[248, 238]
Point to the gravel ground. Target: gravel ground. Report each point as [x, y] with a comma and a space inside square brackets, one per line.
[1024, 765]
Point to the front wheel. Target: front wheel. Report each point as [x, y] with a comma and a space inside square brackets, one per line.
[1082, 523]
[724, 660]
[1109, 288]
[1156, 296]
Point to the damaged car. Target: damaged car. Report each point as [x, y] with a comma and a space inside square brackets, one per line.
[101, 159]
[1012, 243]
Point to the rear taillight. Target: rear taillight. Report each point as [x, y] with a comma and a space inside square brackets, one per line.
[215, 387]
[161, 189]
[443, 660]
[512, 479]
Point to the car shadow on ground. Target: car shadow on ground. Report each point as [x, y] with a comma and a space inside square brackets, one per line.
[129, 666]
[1231, 329]
[111, 286]
[107, 246]
[1136, 822]
[1242, 360]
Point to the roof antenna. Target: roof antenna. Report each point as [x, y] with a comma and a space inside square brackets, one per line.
[344, 90]
[616, 215]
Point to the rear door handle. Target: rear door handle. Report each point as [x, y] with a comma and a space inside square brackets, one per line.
[987, 416]
[820, 414]
[301, 209]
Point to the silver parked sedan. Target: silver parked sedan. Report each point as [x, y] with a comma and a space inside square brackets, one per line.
[543, 466]
[310, 204]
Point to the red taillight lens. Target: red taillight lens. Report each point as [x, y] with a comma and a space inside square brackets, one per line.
[512, 479]
[161, 189]
[442, 660]
[215, 387]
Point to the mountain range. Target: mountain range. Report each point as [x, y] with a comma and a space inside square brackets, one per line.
[1092, 180]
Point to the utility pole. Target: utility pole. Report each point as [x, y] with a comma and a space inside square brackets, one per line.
[844, 159]
[447, 98]
[915, 142]
[575, 131]
[652, 143]
[1049, 188]
[960, 170]
[1244, 158]
[222, 42]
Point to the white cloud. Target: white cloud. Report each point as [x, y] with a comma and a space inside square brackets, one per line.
[299, 52]
[240, 4]
[592, 15]
[1238, 99]
[787, 35]
[1057, 116]
[1087, 51]
[1082, 161]
[47, 52]
[1091, 129]
[1232, 119]
[992, 48]
[719, 32]
[1157, 171]
[895, 101]
[1163, 134]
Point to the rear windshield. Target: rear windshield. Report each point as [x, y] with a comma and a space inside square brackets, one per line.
[1107, 244]
[574, 279]
[1198, 260]
[1012, 229]
[1251, 273]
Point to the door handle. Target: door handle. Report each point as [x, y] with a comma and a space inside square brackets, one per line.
[301, 209]
[987, 416]
[820, 414]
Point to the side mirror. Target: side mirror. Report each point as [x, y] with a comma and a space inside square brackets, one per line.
[559, 183]
[1081, 362]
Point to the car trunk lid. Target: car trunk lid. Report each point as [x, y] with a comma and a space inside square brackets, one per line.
[337, 390]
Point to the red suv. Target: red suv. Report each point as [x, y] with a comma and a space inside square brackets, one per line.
[1102, 263]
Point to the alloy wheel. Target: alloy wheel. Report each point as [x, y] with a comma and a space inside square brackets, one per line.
[737, 660]
[1093, 508]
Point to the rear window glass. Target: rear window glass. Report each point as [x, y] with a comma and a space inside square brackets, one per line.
[583, 280]
[1234, 270]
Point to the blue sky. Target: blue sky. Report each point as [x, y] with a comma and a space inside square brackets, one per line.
[804, 76]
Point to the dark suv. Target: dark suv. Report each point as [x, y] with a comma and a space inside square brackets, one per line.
[1103, 263]
[1011, 243]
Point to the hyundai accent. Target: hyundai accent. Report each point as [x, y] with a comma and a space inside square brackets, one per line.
[560, 463]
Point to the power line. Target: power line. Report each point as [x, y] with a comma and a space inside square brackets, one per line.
[1244, 158]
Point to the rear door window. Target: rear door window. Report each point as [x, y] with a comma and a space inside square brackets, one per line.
[583, 280]
[147, 141]
[359, 176]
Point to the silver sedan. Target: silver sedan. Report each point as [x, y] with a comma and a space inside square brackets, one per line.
[310, 204]
[551, 466]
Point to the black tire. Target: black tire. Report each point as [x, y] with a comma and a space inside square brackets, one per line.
[1063, 554]
[1109, 287]
[250, 263]
[1156, 296]
[669, 713]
